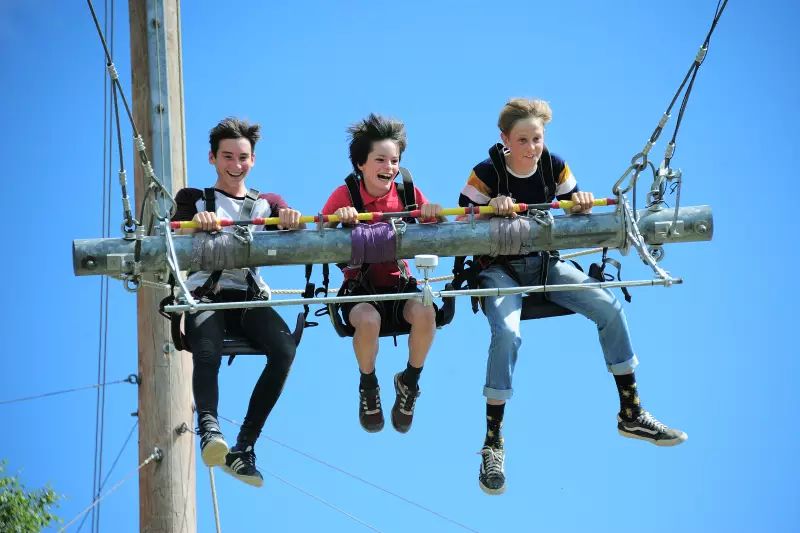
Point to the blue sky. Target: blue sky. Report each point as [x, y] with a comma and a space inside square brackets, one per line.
[718, 354]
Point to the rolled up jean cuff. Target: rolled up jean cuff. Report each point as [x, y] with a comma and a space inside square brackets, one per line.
[498, 394]
[625, 367]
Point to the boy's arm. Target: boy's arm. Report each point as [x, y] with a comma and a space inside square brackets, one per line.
[278, 207]
[567, 189]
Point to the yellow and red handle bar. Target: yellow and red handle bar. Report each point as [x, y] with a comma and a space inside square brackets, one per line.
[416, 213]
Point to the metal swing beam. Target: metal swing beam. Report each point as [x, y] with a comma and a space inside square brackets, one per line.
[118, 257]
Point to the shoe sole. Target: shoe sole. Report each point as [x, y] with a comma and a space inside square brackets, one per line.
[663, 442]
[214, 453]
[372, 429]
[399, 428]
[491, 492]
[252, 481]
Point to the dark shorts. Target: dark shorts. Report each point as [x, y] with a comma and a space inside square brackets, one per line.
[391, 311]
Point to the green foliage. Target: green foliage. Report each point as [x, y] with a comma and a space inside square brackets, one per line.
[21, 511]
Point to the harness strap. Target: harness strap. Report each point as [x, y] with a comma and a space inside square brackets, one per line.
[407, 190]
[210, 199]
[597, 271]
[248, 204]
[499, 163]
[245, 213]
[354, 188]
[309, 292]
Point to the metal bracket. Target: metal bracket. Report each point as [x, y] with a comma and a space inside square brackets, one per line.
[320, 223]
[426, 264]
[546, 220]
[664, 228]
[123, 263]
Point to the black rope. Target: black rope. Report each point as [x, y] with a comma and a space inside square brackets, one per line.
[691, 74]
[145, 162]
[693, 71]
[110, 62]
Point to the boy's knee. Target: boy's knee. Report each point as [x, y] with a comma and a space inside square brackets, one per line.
[417, 314]
[206, 352]
[506, 336]
[365, 319]
[282, 356]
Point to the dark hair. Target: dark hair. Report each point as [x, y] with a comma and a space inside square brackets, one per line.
[371, 129]
[234, 128]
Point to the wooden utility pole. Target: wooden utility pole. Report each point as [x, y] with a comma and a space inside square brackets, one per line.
[166, 489]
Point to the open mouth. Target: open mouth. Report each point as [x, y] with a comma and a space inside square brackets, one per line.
[231, 174]
[385, 177]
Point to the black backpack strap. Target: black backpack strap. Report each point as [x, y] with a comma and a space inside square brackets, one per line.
[499, 163]
[407, 191]
[178, 338]
[545, 272]
[548, 178]
[209, 285]
[309, 292]
[598, 272]
[210, 199]
[468, 276]
[354, 188]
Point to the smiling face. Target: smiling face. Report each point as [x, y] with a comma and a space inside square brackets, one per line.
[233, 162]
[525, 140]
[381, 166]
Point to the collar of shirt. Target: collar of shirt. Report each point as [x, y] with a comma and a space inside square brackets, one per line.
[369, 199]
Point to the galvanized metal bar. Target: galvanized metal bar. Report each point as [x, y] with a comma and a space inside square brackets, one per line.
[581, 253]
[180, 308]
[174, 265]
[111, 256]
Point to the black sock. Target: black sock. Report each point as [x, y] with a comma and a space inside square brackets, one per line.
[369, 381]
[410, 376]
[494, 422]
[629, 405]
[244, 440]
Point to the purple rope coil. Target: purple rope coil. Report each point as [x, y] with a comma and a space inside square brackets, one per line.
[372, 243]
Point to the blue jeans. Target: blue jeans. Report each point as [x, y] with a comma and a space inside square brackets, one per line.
[503, 313]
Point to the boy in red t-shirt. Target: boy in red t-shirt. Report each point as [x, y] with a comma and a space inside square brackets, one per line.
[376, 145]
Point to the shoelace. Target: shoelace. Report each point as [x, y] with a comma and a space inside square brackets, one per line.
[368, 406]
[646, 419]
[492, 461]
[408, 399]
[247, 457]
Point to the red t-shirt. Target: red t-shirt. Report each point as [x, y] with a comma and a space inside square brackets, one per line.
[378, 274]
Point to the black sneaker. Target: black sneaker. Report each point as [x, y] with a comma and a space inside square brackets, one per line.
[213, 447]
[241, 464]
[370, 413]
[646, 427]
[492, 477]
[403, 409]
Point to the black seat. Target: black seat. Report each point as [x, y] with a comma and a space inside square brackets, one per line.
[444, 315]
[237, 344]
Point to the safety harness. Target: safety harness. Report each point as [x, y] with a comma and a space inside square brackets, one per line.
[538, 304]
[389, 326]
[235, 343]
